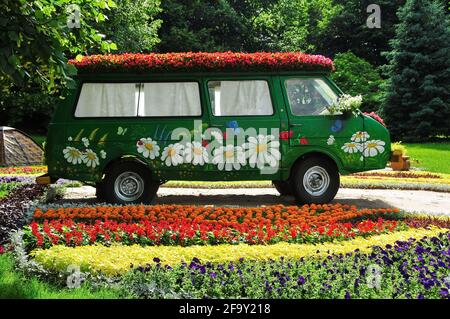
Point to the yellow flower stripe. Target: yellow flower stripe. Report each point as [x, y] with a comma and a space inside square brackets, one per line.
[117, 259]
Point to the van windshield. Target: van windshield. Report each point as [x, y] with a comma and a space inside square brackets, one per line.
[309, 96]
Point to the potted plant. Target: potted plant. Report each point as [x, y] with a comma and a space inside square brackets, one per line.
[399, 160]
[346, 105]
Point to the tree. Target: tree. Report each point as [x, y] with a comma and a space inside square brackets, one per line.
[36, 35]
[356, 76]
[133, 26]
[347, 30]
[417, 105]
[200, 25]
[289, 25]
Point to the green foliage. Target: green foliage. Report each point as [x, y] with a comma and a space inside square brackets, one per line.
[200, 25]
[28, 109]
[288, 25]
[417, 102]
[357, 76]
[347, 30]
[36, 36]
[132, 26]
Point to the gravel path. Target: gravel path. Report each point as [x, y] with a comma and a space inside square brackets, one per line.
[432, 203]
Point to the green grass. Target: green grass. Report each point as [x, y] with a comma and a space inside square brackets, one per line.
[433, 157]
[14, 284]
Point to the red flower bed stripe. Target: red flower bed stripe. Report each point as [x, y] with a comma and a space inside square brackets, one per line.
[201, 61]
[185, 233]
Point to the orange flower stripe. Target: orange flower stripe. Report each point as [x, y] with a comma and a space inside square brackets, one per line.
[312, 215]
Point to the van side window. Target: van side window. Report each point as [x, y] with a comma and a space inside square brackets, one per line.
[170, 99]
[230, 98]
[108, 100]
[309, 96]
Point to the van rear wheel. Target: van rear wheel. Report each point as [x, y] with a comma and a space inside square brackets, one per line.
[315, 180]
[283, 187]
[127, 183]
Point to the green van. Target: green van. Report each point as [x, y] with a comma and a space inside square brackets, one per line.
[133, 122]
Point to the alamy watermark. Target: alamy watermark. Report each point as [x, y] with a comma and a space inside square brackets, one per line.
[374, 19]
[73, 16]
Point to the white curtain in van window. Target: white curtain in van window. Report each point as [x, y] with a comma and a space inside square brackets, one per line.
[107, 100]
[170, 99]
[244, 98]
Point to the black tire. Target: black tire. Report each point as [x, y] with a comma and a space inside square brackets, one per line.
[99, 191]
[318, 170]
[283, 187]
[128, 183]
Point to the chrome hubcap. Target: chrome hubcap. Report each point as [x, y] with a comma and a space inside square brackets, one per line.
[316, 181]
[129, 186]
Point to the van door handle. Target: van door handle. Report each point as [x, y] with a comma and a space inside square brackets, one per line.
[296, 124]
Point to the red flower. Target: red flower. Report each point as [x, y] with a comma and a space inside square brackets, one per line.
[304, 141]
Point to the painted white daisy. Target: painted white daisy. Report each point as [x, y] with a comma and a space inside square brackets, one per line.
[148, 147]
[195, 153]
[263, 150]
[173, 154]
[352, 147]
[90, 158]
[72, 155]
[360, 136]
[103, 154]
[85, 141]
[229, 157]
[373, 148]
[330, 140]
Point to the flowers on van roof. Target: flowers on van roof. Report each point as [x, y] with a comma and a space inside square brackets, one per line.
[202, 61]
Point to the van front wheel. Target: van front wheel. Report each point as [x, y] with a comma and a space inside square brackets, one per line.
[128, 183]
[315, 180]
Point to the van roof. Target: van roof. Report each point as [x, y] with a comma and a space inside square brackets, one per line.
[189, 62]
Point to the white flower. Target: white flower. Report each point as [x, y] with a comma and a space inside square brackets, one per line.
[373, 148]
[330, 140]
[70, 138]
[261, 150]
[90, 158]
[103, 154]
[72, 155]
[359, 137]
[229, 157]
[173, 154]
[85, 141]
[195, 153]
[352, 147]
[148, 148]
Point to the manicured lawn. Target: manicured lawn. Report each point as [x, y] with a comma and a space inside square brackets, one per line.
[14, 285]
[433, 157]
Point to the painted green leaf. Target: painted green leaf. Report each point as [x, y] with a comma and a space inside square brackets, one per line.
[78, 137]
[102, 140]
[93, 133]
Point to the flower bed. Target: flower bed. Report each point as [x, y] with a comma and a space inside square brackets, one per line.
[398, 270]
[317, 215]
[186, 233]
[25, 170]
[200, 61]
[117, 259]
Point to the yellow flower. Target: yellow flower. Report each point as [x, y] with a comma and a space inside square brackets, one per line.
[117, 259]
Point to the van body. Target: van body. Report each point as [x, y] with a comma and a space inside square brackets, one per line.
[128, 133]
